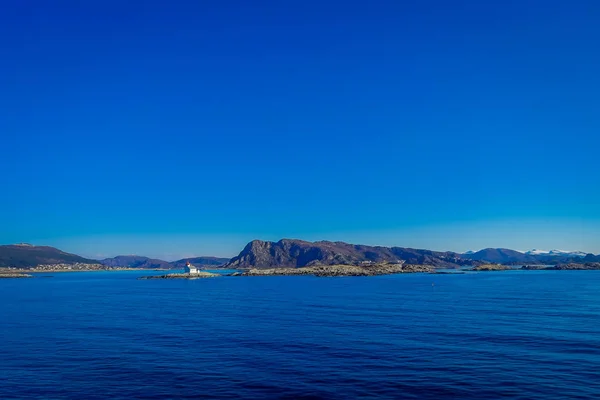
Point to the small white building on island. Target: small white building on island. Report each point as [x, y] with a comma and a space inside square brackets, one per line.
[190, 269]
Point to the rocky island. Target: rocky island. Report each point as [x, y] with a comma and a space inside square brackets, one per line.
[491, 267]
[534, 267]
[589, 266]
[577, 266]
[197, 275]
[338, 270]
[10, 273]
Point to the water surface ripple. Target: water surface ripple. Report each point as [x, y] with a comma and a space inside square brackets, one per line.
[520, 335]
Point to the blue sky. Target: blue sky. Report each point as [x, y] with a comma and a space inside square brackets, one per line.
[184, 128]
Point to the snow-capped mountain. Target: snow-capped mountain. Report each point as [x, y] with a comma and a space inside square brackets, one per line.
[563, 253]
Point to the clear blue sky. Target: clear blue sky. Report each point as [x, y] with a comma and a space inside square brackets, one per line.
[173, 128]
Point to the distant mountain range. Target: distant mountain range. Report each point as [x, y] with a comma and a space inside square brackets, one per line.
[500, 256]
[299, 253]
[203, 262]
[151, 263]
[561, 253]
[507, 256]
[135, 262]
[26, 256]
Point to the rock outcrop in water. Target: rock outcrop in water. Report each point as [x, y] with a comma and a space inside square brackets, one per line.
[13, 274]
[534, 267]
[575, 266]
[564, 267]
[198, 275]
[491, 267]
[288, 253]
[339, 270]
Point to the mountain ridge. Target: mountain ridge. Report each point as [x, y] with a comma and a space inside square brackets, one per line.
[500, 255]
[299, 253]
[566, 253]
[134, 261]
[26, 255]
[201, 261]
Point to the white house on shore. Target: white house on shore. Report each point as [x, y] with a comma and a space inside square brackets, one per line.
[190, 269]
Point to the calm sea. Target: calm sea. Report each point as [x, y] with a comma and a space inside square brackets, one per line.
[491, 335]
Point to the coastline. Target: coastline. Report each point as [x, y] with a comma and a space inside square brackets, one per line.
[339, 270]
[37, 271]
[198, 275]
[14, 275]
[32, 272]
[317, 270]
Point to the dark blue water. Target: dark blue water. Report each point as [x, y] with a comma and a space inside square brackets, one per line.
[522, 335]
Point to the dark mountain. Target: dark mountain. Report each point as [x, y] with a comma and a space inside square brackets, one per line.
[506, 256]
[590, 258]
[500, 256]
[201, 262]
[135, 262]
[26, 255]
[298, 253]
[565, 259]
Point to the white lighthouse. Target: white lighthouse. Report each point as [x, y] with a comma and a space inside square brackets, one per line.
[190, 269]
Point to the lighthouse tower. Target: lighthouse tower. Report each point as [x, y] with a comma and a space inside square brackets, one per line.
[190, 269]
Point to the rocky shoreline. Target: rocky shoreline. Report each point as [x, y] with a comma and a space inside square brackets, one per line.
[83, 267]
[198, 275]
[97, 270]
[339, 270]
[491, 267]
[13, 272]
[565, 267]
[317, 270]
[7, 275]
